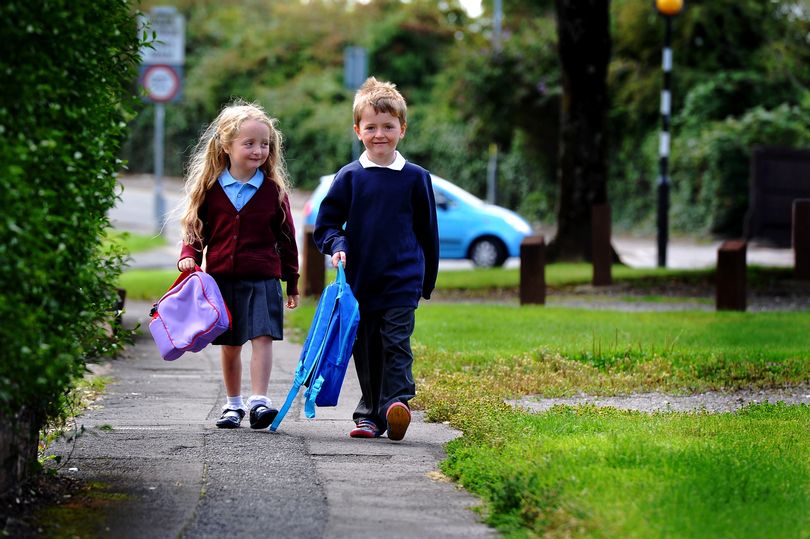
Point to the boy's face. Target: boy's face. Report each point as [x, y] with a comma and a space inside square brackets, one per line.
[380, 133]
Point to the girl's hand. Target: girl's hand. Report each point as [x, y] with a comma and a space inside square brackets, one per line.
[292, 302]
[186, 264]
[339, 256]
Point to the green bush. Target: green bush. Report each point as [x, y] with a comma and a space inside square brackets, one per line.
[64, 105]
[711, 165]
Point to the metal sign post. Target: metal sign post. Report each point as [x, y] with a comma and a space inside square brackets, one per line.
[355, 71]
[162, 77]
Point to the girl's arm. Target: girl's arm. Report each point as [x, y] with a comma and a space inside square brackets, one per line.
[288, 251]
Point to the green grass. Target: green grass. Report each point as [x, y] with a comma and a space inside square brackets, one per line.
[560, 274]
[512, 351]
[151, 283]
[134, 243]
[590, 472]
[147, 284]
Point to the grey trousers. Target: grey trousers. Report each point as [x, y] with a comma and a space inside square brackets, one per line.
[384, 361]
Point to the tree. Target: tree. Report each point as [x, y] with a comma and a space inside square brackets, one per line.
[584, 52]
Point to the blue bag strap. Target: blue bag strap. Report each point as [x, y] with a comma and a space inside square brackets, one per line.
[310, 395]
[290, 399]
[302, 373]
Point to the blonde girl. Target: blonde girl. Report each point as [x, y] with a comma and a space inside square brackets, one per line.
[238, 220]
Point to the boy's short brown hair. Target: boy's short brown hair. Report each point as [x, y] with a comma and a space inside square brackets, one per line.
[382, 97]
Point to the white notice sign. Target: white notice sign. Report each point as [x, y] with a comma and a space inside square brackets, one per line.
[169, 46]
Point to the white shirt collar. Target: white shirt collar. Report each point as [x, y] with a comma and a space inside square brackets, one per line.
[397, 164]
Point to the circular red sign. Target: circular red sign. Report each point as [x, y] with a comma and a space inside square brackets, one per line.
[161, 82]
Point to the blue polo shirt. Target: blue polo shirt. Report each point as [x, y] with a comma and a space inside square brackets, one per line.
[239, 193]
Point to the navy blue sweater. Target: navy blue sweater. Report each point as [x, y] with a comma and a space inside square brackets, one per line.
[391, 237]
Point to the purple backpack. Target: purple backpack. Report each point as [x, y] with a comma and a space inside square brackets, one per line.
[189, 316]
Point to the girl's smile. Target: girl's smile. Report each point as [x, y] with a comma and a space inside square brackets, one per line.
[249, 150]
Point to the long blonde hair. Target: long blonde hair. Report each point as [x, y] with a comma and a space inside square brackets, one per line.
[209, 160]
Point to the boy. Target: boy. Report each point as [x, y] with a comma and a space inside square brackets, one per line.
[390, 249]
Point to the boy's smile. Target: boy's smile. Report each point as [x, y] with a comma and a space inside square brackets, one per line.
[380, 133]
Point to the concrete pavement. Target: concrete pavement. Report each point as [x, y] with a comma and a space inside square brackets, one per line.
[159, 467]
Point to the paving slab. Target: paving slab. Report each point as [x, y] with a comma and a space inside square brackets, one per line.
[152, 451]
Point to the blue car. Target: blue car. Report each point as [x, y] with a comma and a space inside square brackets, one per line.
[468, 227]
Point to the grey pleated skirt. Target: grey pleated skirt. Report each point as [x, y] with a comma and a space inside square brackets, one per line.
[256, 307]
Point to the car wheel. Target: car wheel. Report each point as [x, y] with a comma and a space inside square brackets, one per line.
[487, 253]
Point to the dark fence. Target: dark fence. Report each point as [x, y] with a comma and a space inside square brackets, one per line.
[778, 177]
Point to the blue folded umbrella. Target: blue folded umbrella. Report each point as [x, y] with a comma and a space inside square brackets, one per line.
[327, 349]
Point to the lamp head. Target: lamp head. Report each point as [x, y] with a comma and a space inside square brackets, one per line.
[669, 8]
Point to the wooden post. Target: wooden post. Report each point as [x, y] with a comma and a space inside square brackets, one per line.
[731, 280]
[313, 266]
[601, 252]
[533, 270]
[801, 238]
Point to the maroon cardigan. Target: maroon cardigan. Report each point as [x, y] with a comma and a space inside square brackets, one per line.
[257, 242]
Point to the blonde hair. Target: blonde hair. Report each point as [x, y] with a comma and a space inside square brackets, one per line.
[209, 160]
[382, 97]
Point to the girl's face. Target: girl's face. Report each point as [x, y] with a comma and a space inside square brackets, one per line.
[249, 150]
[380, 133]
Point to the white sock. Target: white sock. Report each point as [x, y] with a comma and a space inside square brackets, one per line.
[234, 403]
[253, 400]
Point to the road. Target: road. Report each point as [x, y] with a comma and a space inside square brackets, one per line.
[136, 213]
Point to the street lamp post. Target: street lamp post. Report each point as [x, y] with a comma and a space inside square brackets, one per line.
[668, 9]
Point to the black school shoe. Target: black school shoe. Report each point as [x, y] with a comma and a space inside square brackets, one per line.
[261, 416]
[230, 419]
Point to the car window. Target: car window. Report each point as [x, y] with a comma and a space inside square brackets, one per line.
[441, 200]
[453, 192]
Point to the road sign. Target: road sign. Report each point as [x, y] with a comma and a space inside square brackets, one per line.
[161, 82]
[355, 67]
[169, 46]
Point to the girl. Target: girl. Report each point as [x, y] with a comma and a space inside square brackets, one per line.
[238, 210]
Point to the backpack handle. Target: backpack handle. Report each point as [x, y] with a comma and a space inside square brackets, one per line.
[341, 276]
[183, 275]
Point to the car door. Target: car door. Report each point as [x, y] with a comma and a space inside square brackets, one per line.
[451, 225]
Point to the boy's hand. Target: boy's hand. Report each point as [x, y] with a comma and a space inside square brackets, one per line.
[186, 264]
[339, 256]
[292, 302]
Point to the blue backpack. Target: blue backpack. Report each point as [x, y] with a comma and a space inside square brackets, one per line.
[327, 349]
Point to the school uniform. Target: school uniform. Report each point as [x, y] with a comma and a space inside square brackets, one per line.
[250, 239]
[392, 260]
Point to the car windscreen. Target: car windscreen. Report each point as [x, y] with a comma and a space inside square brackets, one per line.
[456, 193]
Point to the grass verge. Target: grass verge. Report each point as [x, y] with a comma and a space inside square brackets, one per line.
[132, 242]
[590, 472]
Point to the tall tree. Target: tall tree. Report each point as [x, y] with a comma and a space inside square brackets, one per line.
[584, 50]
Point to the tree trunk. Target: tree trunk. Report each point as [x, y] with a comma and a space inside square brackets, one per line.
[584, 50]
[19, 437]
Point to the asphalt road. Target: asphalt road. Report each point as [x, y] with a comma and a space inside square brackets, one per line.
[136, 212]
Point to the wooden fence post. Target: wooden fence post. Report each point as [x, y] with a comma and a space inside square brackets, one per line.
[601, 252]
[533, 270]
[313, 266]
[731, 279]
[801, 238]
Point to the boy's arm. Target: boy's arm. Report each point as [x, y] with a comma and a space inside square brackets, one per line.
[329, 235]
[427, 233]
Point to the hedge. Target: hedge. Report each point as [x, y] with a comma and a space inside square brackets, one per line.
[65, 99]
